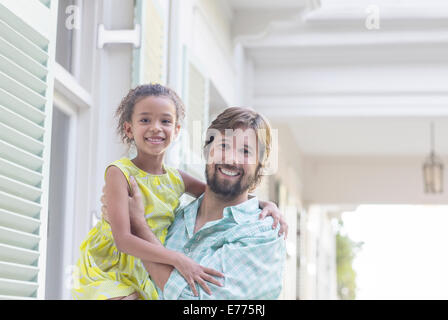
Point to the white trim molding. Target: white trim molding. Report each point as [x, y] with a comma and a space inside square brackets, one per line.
[70, 88]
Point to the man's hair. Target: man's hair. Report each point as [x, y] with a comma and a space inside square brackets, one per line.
[243, 118]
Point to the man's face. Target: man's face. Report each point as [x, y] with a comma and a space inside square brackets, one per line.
[232, 162]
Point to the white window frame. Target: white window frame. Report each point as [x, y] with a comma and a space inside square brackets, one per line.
[77, 102]
[140, 17]
[70, 98]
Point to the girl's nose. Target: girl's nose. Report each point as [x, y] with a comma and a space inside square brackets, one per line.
[155, 127]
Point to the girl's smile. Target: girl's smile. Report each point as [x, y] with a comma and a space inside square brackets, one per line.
[155, 140]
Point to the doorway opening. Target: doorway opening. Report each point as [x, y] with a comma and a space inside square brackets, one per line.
[403, 255]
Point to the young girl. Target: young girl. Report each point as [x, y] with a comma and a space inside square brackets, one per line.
[110, 264]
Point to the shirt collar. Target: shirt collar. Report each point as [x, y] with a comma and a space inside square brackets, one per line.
[241, 213]
[244, 211]
[190, 212]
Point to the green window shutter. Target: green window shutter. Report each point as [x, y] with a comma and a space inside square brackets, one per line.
[196, 99]
[149, 59]
[27, 46]
[46, 3]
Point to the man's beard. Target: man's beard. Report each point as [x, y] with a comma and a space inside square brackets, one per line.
[225, 188]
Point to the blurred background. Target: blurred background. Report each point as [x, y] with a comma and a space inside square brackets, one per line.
[356, 92]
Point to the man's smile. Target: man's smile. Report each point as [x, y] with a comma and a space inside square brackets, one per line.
[229, 172]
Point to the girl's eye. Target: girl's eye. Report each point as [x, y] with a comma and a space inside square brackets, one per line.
[144, 120]
[166, 121]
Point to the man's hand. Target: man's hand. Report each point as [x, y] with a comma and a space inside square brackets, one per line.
[136, 209]
[270, 209]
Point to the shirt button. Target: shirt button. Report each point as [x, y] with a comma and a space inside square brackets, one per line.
[187, 250]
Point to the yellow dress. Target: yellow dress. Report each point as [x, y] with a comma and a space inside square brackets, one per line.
[102, 271]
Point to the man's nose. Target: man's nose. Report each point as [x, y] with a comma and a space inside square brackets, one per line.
[232, 156]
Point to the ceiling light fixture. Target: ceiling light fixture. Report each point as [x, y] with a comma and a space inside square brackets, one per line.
[433, 170]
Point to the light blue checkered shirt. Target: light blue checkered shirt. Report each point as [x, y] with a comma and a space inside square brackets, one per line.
[247, 250]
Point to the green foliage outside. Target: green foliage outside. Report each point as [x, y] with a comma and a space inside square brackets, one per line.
[346, 250]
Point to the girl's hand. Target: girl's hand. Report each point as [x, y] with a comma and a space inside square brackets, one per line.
[271, 209]
[193, 272]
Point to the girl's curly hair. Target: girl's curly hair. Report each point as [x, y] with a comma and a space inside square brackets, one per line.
[126, 108]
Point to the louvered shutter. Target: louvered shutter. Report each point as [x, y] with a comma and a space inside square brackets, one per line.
[196, 98]
[149, 59]
[27, 44]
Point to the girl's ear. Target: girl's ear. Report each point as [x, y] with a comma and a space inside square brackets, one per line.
[128, 130]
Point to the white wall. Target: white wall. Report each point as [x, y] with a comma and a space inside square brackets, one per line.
[113, 83]
[210, 41]
[369, 180]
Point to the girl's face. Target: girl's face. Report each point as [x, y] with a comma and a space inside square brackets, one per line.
[153, 125]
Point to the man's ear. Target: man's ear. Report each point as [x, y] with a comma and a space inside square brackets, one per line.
[176, 130]
[128, 130]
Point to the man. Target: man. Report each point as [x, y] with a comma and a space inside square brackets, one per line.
[221, 230]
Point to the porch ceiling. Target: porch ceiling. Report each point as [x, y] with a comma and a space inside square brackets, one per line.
[342, 88]
[373, 136]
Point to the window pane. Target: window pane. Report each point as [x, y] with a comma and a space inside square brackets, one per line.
[64, 41]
